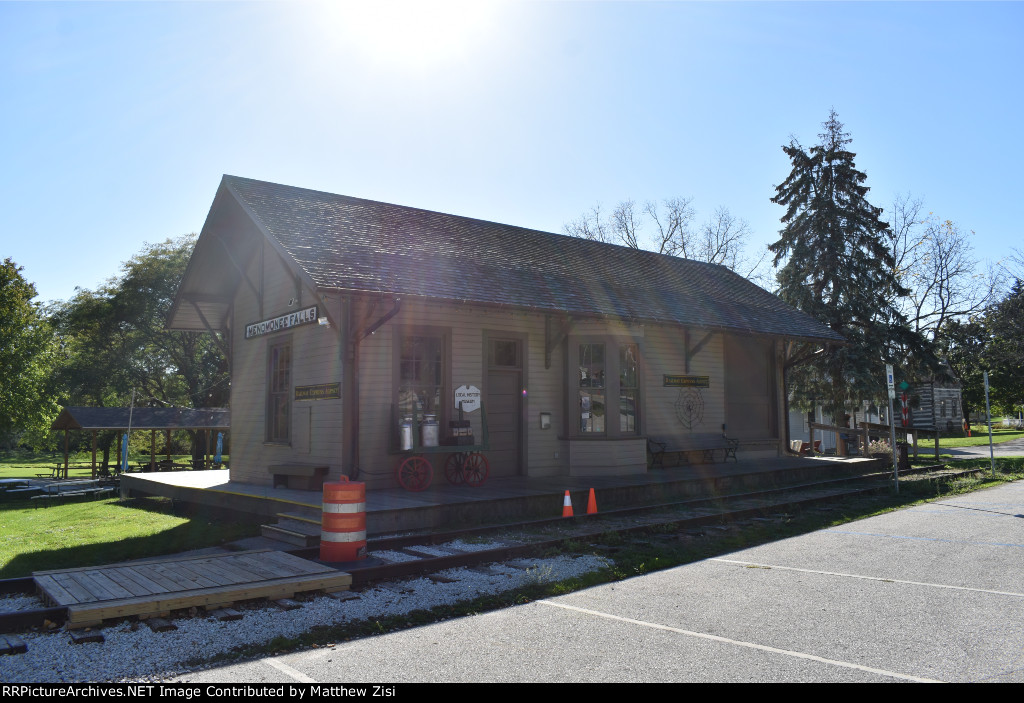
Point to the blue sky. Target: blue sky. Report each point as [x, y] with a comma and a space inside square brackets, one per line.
[118, 119]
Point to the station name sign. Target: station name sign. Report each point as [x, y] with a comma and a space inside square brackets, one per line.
[686, 381]
[281, 322]
[321, 391]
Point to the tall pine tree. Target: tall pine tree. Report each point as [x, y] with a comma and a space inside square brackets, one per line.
[835, 266]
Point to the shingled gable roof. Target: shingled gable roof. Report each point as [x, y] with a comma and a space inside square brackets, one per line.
[351, 244]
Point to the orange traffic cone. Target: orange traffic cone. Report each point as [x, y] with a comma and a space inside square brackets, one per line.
[592, 504]
[567, 506]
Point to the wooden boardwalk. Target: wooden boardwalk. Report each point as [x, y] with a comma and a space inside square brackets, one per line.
[156, 587]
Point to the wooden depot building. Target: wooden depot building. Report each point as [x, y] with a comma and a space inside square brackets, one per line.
[345, 319]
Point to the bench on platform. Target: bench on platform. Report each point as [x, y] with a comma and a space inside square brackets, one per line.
[303, 477]
[681, 447]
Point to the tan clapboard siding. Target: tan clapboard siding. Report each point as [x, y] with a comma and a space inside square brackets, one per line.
[316, 425]
[664, 355]
[545, 393]
[608, 457]
[248, 385]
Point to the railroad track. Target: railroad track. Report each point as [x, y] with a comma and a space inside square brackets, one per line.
[428, 553]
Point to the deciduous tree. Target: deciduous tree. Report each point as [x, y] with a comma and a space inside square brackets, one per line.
[25, 357]
[668, 228]
[114, 341]
[934, 260]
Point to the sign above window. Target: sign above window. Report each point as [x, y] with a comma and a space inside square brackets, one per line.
[321, 391]
[281, 322]
[685, 381]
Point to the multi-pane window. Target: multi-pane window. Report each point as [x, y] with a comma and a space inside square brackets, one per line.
[591, 388]
[607, 382]
[629, 388]
[504, 353]
[420, 374]
[279, 391]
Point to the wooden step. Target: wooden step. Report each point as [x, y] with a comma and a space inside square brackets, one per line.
[289, 536]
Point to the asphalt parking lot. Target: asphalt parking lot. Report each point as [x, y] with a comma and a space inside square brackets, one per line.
[929, 593]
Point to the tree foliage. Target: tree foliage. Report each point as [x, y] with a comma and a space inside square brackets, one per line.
[834, 264]
[25, 357]
[1004, 355]
[934, 260]
[668, 228]
[114, 343]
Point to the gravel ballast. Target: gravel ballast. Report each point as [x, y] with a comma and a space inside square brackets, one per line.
[132, 652]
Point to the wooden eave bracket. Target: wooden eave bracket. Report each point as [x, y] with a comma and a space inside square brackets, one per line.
[807, 351]
[555, 331]
[218, 338]
[692, 351]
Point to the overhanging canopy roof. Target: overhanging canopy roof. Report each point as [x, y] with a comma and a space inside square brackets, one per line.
[86, 418]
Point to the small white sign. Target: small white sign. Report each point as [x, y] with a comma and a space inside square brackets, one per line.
[890, 381]
[469, 396]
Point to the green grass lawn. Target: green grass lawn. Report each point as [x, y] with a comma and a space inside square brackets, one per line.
[34, 537]
[65, 535]
[23, 464]
[979, 436]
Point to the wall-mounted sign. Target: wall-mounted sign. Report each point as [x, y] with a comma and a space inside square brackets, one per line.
[469, 396]
[321, 391]
[686, 381]
[281, 322]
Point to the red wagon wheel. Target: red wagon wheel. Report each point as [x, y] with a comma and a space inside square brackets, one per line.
[415, 473]
[453, 469]
[475, 468]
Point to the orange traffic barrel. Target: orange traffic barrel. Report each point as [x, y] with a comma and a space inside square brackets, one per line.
[343, 522]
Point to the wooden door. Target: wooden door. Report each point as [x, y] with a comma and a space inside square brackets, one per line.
[504, 405]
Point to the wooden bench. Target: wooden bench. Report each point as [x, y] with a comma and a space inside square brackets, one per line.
[303, 477]
[707, 445]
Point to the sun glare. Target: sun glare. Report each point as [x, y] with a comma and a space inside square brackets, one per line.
[408, 33]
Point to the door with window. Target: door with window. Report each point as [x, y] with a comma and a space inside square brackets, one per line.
[504, 405]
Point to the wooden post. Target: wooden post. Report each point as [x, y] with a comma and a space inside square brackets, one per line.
[94, 453]
[168, 449]
[206, 457]
[914, 435]
[65, 454]
[936, 446]
[152, 450]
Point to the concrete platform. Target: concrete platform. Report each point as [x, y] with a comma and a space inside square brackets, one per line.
[498, 500]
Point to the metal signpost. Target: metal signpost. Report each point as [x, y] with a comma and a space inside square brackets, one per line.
[988, 416]
[892, 427]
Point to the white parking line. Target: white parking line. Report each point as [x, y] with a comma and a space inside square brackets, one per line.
[870, 578]
[291, 671]
[740, 643]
